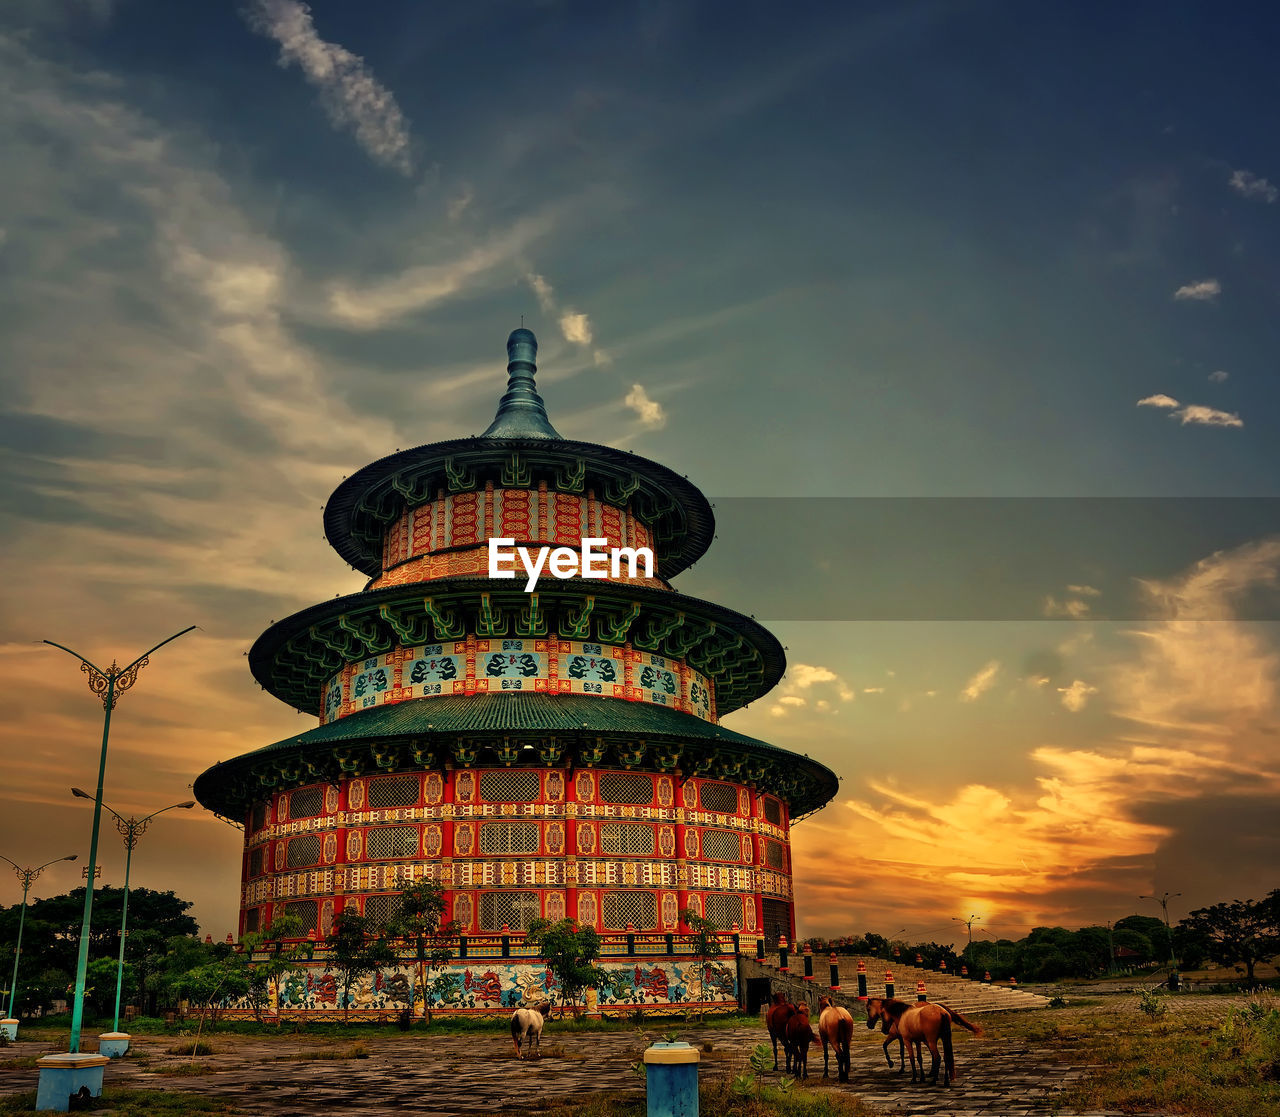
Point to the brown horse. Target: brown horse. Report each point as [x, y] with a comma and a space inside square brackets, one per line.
[780, 1012]
[835, 1027]
[885, 1012]
[924, 1022]
[799, 1036]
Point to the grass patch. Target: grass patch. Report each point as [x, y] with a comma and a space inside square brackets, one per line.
[129, 1103]
[720, 1099]
[191, 1047]
[1180, 1063]
[24, 1062]
[355, 1051]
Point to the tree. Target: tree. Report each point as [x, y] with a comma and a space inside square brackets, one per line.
[263, 973]
[356, 948]
[1241, 931]
[706, 945]
[570, 952]
[422, 909]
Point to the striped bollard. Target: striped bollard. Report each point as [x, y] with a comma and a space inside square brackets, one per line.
[921, 994]
[808, 962]
[835, 972]
[986, 977]
[964, 971]
[862, 981]
[888, 985]
[782, 954]
[942, 966]
[1013, 983]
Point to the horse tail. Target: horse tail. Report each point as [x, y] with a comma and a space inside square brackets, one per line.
[947, 1053]
[976, 1029]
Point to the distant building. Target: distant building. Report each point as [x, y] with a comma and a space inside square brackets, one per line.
[548, 754]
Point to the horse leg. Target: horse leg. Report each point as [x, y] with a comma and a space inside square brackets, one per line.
[775, 1050]
[826, 1065]
[933, 1061]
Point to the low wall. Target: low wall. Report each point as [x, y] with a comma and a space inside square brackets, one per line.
[795, 986]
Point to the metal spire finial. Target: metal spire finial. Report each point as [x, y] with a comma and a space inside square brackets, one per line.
[521, 412]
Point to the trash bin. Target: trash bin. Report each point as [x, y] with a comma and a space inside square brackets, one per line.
[671, 1080]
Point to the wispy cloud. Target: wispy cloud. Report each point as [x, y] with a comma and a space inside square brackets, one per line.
[982, 682]
[649, 411]
[805, 681]
[352, 97]
[1193, 414]
[1076, 695]
[1072, 607]
[1203, 290]
[1198, 415]
[1249, 185]
[1218, 376]
[575, 326]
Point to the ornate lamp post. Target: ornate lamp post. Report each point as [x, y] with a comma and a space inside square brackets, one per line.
[27, 876]
[131, 829]
[108, 685]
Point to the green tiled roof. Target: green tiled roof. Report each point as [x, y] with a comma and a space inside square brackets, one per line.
[434, 723]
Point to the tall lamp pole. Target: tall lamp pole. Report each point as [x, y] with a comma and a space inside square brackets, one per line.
[1163, 901]
[131, 829]
[27, 876]
[108, 685]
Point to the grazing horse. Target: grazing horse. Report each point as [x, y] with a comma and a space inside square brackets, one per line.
[924, 1022]
[799, 1036]
[780, 1012]
[526, 1028]
[835, 1027]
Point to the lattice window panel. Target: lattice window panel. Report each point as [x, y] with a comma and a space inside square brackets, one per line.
[305, 910]
[509, 837]
[252, 920]
[306, 803]
[382, 842]
[773, 811]
[256, 861]
[720, 797]
[626, 787]
[258, 817]
[395, 791]
[302, 851]
[724, 911]
[777, 921]
[516, 909]
[721, 845]
[626, 838]
[640, 909]
[381, 910]
[510, 787]
[775, 856]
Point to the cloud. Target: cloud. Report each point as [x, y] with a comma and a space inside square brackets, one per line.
[1218, 376]
[1194, 414]
[650, 412]
[1203, 290]
[575, 327]
[460, 204]
[806, 677]
[1076, 695]
[1249, 185]
[352, 98]
[983, 681]
[1072, 607]
[1085, 591]
[1199, 415]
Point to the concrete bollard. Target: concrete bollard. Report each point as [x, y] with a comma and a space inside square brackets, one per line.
[671, 1080]
[64, 1074]
[808, 962]
[113, 1044]
[888, 984]
[835, 972]
[862, 981]
[921, 994]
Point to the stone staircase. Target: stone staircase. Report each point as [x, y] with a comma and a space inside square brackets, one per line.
[964, 994]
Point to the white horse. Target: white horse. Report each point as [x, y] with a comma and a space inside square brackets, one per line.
[526, 1028]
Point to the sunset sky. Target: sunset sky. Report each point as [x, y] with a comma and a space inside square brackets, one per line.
[903, 257]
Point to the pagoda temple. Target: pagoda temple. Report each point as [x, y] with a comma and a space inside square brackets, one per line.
[546, 754]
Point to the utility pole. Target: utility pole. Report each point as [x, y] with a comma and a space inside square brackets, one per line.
[1163, 901]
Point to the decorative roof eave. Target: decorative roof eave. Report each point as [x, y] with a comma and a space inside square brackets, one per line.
[366, 503]
[516, 730]
[295, 657]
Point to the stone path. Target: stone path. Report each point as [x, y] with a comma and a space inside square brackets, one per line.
[448, 1075]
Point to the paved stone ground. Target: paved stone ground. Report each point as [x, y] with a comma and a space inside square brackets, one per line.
[477, 1074]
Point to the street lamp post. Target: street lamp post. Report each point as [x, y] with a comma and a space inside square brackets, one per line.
[108, 685]
[1163, 901]
[27, 876]
[131, 829]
